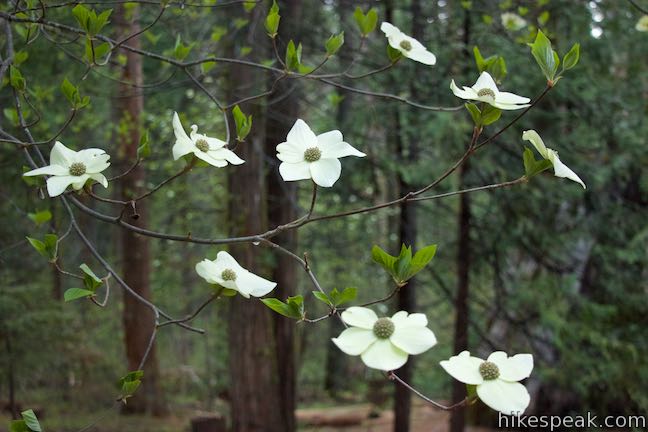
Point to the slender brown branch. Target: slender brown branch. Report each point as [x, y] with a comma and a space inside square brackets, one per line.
[392, 376]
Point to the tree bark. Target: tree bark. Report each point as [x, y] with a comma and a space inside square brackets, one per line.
[138, 320]
[282, 199]
[407, 234]
[462, 319]
[255, 391]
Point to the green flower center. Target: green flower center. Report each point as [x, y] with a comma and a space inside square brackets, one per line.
[383, 328]
[486, 92]
[489, 371]
[312, 154]
[228, 275]
[77, 169]
[406, 45]
[202, 145]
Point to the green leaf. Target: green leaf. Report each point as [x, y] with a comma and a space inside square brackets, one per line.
[31, 421]
[366, 22]
[293, 308]
[82, 15]
[69, 90]
[384, 259]
[16, 79]
[490, 115]
[95, 53]
[38, 245]
[544, 55]
[347, 295]
[323, 298]
[207, 66]
[393, 54]
[249, 5]
[422, 258]
[402, 264]
[272, 20]
[334, 43]
[76, 293]
[100, 22]
[533, 167]
[129, 383]
[90, 280]
[47, 247]
[474, 112]
[243, 123]
[40, 217]
[571, 58]
[20, 57]
[180, 50]
[18, 426]
[227, 292]
[144, 148]
[293, 55]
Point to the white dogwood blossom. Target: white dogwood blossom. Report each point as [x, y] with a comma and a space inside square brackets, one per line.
[228, 273]
[384, 343]
[560, 169]
[408, 46]
[211, 150]
[512, 21]
[307, 156]
[496, 378]
[642, 24]
[485, 90]
[68, 167]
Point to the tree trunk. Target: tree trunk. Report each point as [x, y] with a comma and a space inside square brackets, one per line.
[407, 233]
[462, 319]
[138, 320]
[255, 394]
[282, 197]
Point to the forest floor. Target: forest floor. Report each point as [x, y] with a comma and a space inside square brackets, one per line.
[356, 418]
[349, 418]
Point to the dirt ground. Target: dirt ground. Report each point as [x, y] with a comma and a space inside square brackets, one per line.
[356, 419]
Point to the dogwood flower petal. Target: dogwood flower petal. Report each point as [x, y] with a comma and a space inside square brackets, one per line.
[227, 272]
[514, 368]
[509, 398]
[301, 136]
[307, 156]
[354, 340]
[413, 339]
[256, 286]
[208, 149]
[218, 163]
[642, 24]
[513, 21]
[560, 169]
[56, 185]
[332, 146]
[383, 355]
[287, 152]
[407, 45]
[99, 178]
[61, 155]
[226, 154]
[325, 172]
[464, 368]
[485, 90]
[295, 171]
[55, 170]
[68, 167]
[362, 317]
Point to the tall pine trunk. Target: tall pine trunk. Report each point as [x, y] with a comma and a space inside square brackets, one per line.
[255, 391]
[407, 234]
[457, 419]
[138, 319]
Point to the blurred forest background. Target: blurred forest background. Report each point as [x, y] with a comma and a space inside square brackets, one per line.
[543, 267]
